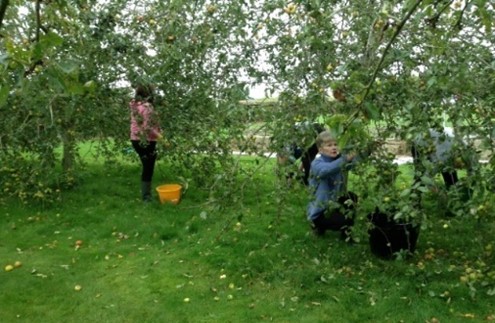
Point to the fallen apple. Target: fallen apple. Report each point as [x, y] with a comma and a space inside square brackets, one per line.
[9, 268]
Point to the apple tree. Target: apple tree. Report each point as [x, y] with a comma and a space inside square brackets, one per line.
[397, 68]
[394, 68]
[68, 68]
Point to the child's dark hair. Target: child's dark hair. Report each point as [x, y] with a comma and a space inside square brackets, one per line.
[144, 92]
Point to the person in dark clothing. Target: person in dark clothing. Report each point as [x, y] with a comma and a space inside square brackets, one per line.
[307, 158]
[436, 148]
[303, 148]
[435, 153]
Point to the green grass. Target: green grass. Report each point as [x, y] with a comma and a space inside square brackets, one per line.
[189, 263]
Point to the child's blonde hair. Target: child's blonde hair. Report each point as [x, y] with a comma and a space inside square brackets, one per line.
[324, 137]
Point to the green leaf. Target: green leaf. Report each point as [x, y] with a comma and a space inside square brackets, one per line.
[4, 94]
[427, 180]
[423, 189]
[405, 193]
[46, 43]
[432, 81]
[487, 19]
[373, 112]
[68, 67]
[75, 88]
[53, 39]
[55, 80]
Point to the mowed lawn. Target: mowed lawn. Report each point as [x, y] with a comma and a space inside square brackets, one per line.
[102, 255]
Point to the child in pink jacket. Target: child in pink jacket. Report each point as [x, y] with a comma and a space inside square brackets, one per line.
[145, 132]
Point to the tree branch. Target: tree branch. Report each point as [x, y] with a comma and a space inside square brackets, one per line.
[380, 63]
[459, 21]
[38, 20]
[433, 20]
[3, 9]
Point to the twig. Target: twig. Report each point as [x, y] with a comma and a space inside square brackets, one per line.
[458, 22]
[433, 20]
[3, 9]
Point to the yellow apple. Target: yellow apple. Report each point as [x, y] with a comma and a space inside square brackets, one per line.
[17, 264]
[290, 9]
[458, 162]
[379, 24]
[9, 268]
[211, 9]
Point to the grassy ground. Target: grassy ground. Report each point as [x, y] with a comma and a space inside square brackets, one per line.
[187, 263]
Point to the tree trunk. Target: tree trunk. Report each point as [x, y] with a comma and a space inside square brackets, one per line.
[68, 147]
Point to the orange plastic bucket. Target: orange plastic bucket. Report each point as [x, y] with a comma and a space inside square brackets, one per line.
[169, 193]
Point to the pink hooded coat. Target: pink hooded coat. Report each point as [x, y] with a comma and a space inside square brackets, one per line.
[144, 125]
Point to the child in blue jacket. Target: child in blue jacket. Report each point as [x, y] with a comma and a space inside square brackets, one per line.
[332, 207]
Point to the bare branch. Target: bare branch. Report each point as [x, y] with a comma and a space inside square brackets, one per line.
[38, 20]
[3, 9]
